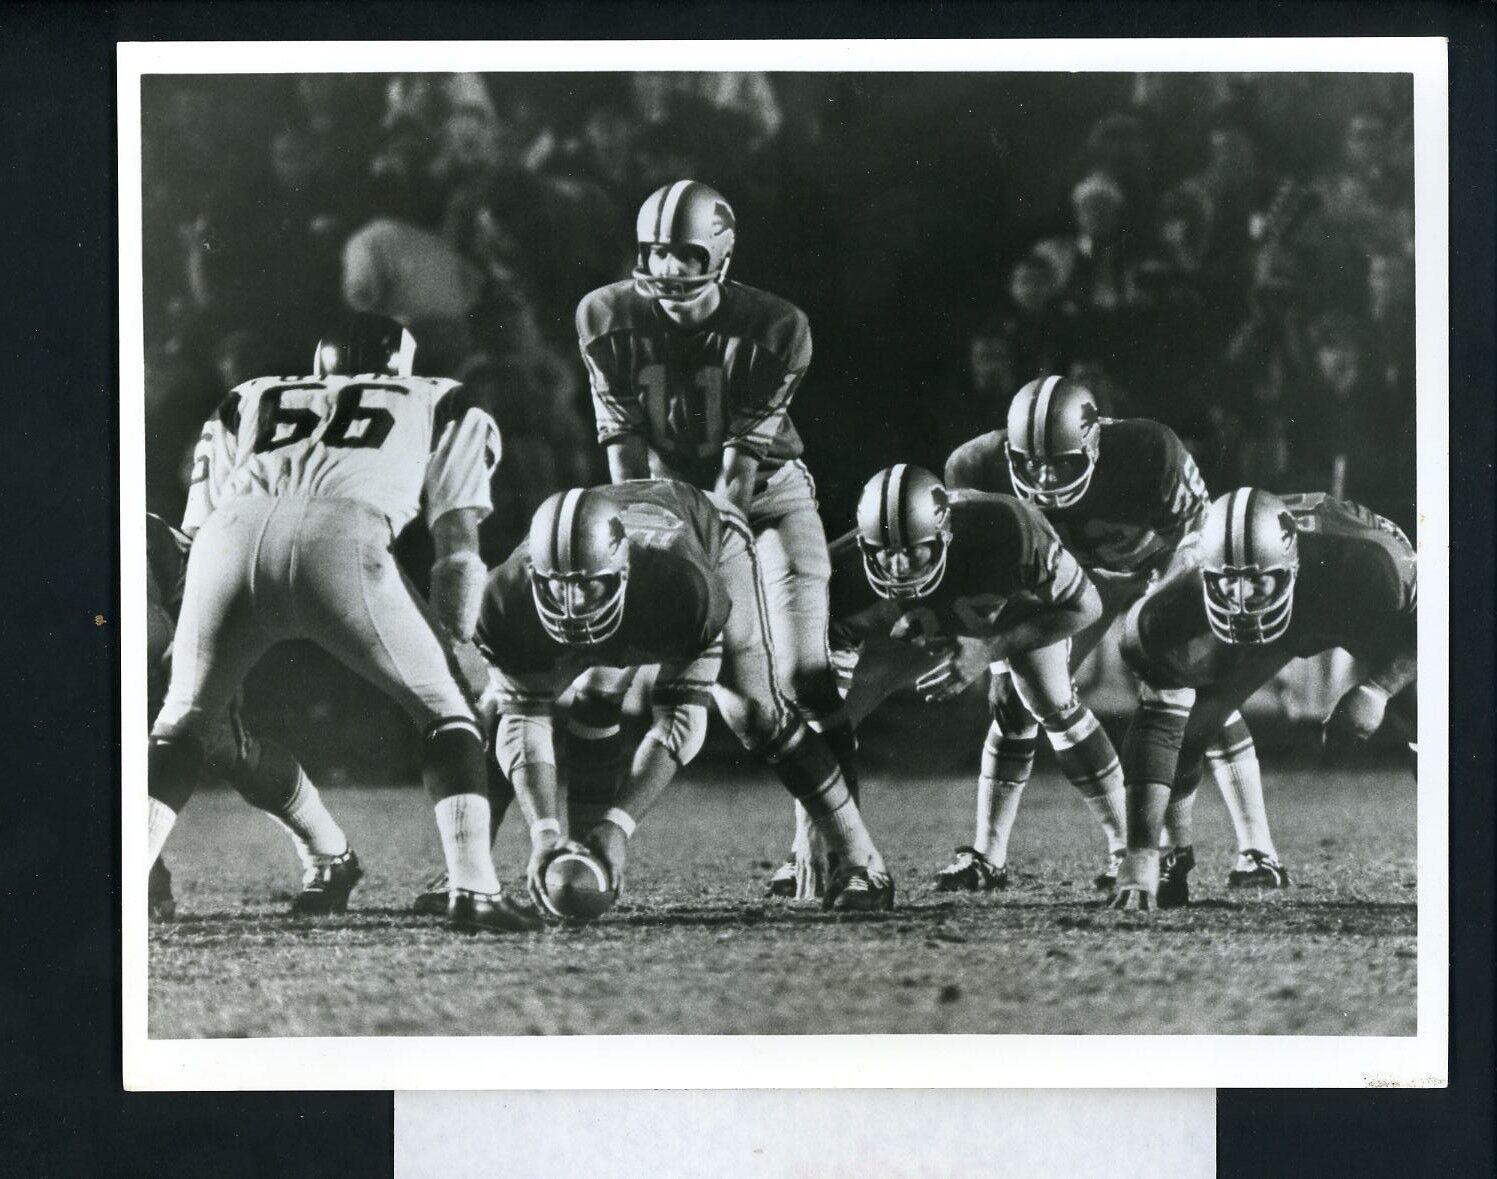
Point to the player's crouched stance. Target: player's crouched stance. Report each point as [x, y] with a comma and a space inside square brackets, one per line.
[1269, 580]
[299, 486]
[645, 572]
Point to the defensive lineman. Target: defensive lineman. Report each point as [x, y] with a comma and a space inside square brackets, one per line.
[692, 377]
[1269, 581]
[1122, 495]
[653, 572]
[299, 485]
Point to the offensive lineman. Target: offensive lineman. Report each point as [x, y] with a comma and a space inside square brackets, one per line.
[299, 486]
[692, 377]
[647, 572]
[1122, 495]
[975, 579]
[1269, 581]
[265, 775]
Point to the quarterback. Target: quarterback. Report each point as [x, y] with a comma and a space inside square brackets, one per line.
[653, 572]
[299, 485]
[265, 775]
[692, 376]
[969, 580]
[1122, 495]
[1268, 581]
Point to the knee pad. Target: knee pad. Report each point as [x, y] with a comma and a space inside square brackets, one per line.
[1070, 726]
[266, 776]
[177, 765]
[1008, 710]
[452, 760]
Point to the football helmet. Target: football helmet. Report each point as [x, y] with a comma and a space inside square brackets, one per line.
[365, 343]
[903, 507]
[1249, 556]
[685, 214]
[577, 537]
[1054, 437]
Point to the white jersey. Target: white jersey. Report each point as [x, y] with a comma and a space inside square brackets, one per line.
[399, 444]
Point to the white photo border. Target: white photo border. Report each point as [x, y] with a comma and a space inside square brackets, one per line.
[864, 1061]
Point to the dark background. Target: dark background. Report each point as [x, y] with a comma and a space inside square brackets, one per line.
[61, 1111]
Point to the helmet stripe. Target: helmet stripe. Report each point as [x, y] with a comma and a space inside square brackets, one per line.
[668, 209]
[894, 506]
[1236, 526]
[1249, 550]
[1039, 422]
[566, 520]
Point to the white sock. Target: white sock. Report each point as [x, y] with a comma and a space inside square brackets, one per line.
[161, 819]
[844, 832]
[463, 820]
[1110, 810]
[1179, 827]
[802, 826]
[313, 829]
[997, 808]
[1241, 784]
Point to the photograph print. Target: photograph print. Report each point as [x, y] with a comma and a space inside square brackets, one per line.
[775, 553]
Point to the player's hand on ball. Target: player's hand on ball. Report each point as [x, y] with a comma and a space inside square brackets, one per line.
[962, 667]
[1356, 717]
[611, 845]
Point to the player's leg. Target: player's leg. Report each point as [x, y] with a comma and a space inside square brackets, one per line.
[351, 598]
[1082, 747]
[1007, 759]
[796, 569]
[269, 778]
[218, 639]
[748, 696]
[1233, 761]
[593, 744]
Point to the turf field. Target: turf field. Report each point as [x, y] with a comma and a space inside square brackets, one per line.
[695, 947]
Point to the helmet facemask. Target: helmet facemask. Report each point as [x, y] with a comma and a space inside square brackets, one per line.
[914, 585]
[1075, 469]
[682, 288]
[580, 626]
[1233, 614]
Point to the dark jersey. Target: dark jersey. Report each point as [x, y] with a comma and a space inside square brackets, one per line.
[690, 392]
[1003, 559]
[675, 604]
[1145, 494]
[1356, 589]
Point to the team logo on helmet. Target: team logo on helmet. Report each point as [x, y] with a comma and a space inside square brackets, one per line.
[1287, 525]
[722, 218]
[1089, 416]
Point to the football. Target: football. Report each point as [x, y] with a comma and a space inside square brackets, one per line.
[578, 887]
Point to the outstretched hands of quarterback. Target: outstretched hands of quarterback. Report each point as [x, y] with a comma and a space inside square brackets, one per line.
[961, 666]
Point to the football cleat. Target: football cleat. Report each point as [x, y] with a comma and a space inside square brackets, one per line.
[799, 878]
[327, 884]
[856, 890]
[490, 912]
[163, 905]
[431, 901]
[971, 871]
[1107, 879]
[1174, 877]
[1256, 869]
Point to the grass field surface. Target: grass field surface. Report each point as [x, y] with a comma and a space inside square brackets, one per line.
[695, 946]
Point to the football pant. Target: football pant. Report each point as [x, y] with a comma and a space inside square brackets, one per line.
[265, 570]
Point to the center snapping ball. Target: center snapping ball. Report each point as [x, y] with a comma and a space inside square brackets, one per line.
[578, 887]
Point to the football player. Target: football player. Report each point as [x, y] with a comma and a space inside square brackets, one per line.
[1122, 495]
[692, 376]
[977, 580]
[1269, 580]
[654, 572]
[299, 485]
[264, 774]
